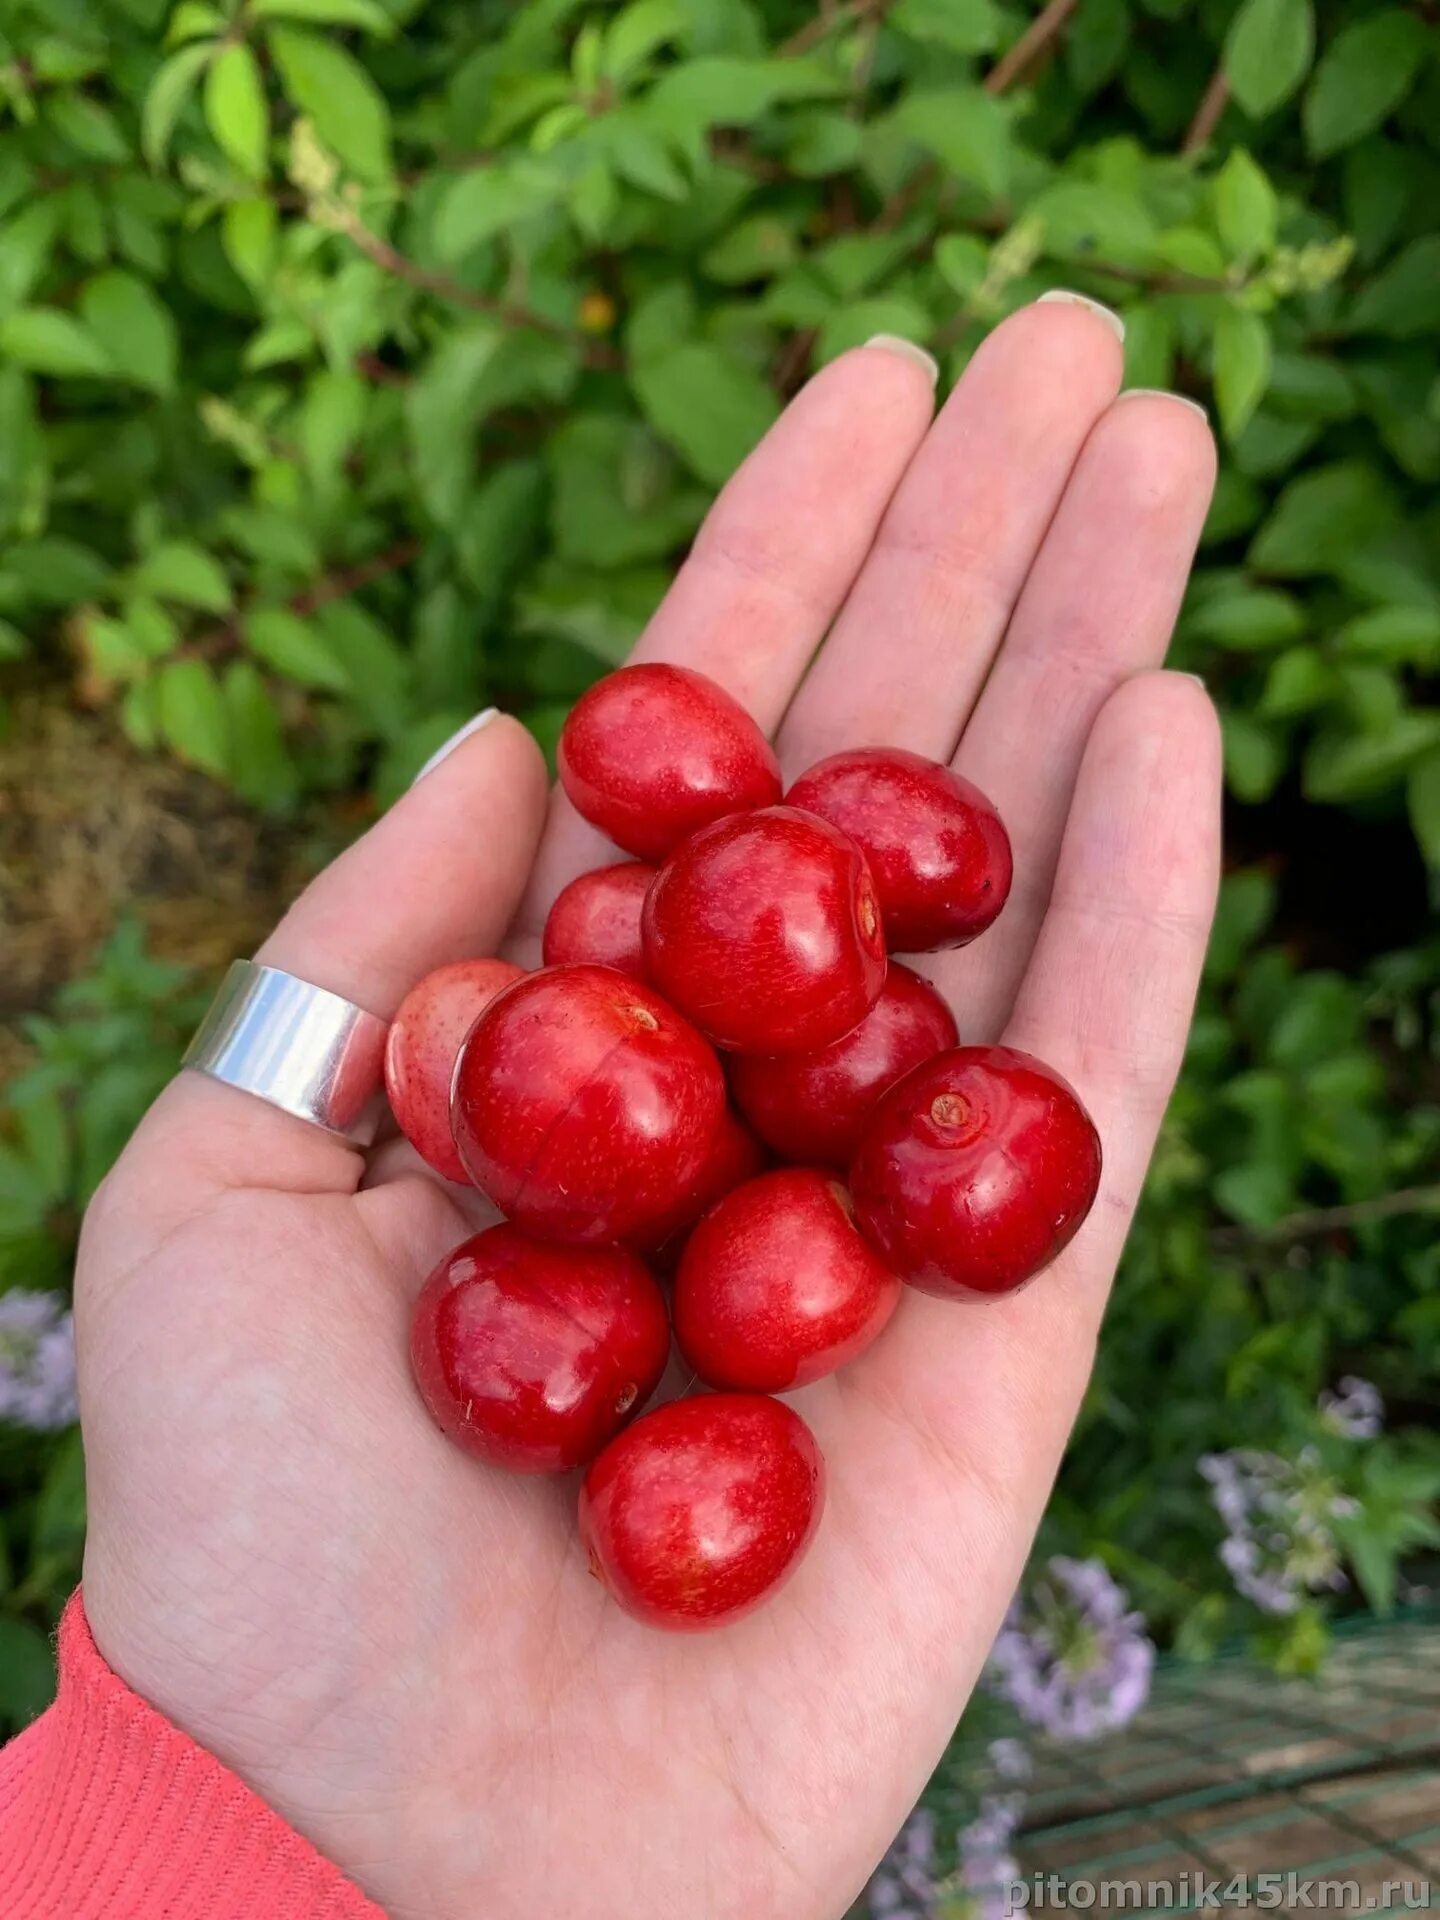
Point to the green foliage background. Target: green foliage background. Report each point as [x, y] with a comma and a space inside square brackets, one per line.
[365, 361]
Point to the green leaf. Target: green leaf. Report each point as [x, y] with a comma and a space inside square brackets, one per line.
[169, 90]
[1246, 209]
[860, 320]
[27, 1672]
[261, 768]
[193, 20]
[1321, 518]
[1083, 221]
[45, 340]
[1399, 635]
[58, 573]
[1268, 51]
[248, 230]
[709, 408]
[364, 14]
[135, 325]
[330, 85]
[1298, 682]
[614, 496]
[1242, 366]
[1422, 793]
[25, 244]
[1254, 757]
[490, 200]
[296, 649]
[330, 423]
[235, 109]
[192, 715]
[1249, 620]
[964, 26]
[178, 570]
[441, 411]
[967, 130]
[640, 30]
[1404, 300]
[88, 127]
[1364, 73]
[1341, 768]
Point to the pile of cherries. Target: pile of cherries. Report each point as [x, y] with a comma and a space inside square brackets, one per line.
[737, 962]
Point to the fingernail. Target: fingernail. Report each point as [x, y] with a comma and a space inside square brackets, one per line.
[1197, 678]
[460, 735]
[1164, 393]
[1063, 297]
[907, 349]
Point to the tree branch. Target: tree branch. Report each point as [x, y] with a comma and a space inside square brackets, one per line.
[329, 587]
[1321, 1220]
[1213, 103]
[1031, 44]
[595, 353]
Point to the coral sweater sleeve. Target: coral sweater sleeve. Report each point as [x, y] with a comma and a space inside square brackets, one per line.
[108, 1812]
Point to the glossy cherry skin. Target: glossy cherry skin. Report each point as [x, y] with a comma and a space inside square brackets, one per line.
[776, 1288]
[653, 752]
[764, 930]
[937, 848]
[703, 1509]
[533, 1356]
[596, 919]
[583, 1102]
[735, 1156]
[810, 1107]
[975, 1171]
[423, 1044]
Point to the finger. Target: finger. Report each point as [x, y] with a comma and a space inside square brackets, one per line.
[914, 642]
[1107, 1001]
[773, 561]
[436, 879]
[1099, 606]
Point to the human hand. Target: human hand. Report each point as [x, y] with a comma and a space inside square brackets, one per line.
[400, 1649]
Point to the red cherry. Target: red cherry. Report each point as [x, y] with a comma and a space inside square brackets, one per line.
[735, 1156]
[937, 848]
[811, 1107]
[975, 1171]
[597, 919]
[652, 752]
[583, 1102]
[703, 1508]
[776, 1287]
[764, 929]
[421, 1048]
[532, 1356]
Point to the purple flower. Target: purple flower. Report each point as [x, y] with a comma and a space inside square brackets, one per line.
[1072, 1657]
[37, 1361]
[1356, 1412]
[1278, 1543]
[904, 1885]
[1011, 1759]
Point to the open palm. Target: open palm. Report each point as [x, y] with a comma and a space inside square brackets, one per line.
[399, 1648]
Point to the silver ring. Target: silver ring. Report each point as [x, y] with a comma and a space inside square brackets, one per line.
[298, 1046]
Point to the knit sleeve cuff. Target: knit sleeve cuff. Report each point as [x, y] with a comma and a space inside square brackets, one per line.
[108, 1812]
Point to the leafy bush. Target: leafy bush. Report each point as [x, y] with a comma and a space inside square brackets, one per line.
[362, 361]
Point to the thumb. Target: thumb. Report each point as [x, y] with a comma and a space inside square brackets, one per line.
[436, 879]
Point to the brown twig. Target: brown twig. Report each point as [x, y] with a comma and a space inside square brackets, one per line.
[821, 27]
[339, 585]
[1319, 1220]
[1031, 44]
[595, 353]
[1213, 102]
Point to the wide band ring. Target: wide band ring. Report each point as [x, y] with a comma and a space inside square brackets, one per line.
[298, 1046]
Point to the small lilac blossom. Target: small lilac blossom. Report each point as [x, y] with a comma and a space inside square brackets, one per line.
[1279, 1542]
[37, 1361]
[1072, 1657]
[1356, 1412]
[905, 1884]
[1010, 1758]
